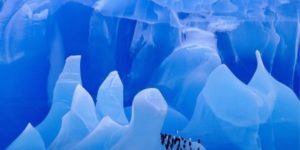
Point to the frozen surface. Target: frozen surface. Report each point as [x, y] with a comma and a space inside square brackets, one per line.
[22, 22]
[28, 139]
[62, 99]
[260, 120]
[81, 119]
[150, 74]
[111, 94]
[183, 73]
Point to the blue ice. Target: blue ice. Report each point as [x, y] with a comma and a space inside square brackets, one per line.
[149, 74]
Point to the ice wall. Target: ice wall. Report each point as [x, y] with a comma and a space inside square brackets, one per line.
[204, 68]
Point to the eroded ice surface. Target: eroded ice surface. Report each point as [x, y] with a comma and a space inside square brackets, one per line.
[28, 139]
[62, 99]
[149, 72]
[111, 94]
[22, 22]
[260, 119]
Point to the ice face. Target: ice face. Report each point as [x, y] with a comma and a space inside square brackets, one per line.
[22, 23]
[81, 119]
[77, 120]
[259, 106]
[71, 123]
[111, 94]
[192, 63]
[83, 106]
[62, 99]
[259, 103]
[266, 22]
[275, 95]
[195, 6]
[142, 10]
[217, 113]
[97, 139]
[150, 74]
[148, 103]
[149, 48]
[28, 139]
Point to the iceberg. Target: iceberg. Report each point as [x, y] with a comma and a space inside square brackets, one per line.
[149, 74]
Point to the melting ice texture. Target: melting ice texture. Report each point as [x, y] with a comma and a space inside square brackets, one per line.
[189, 62]
[239, 28]
[229, 114]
